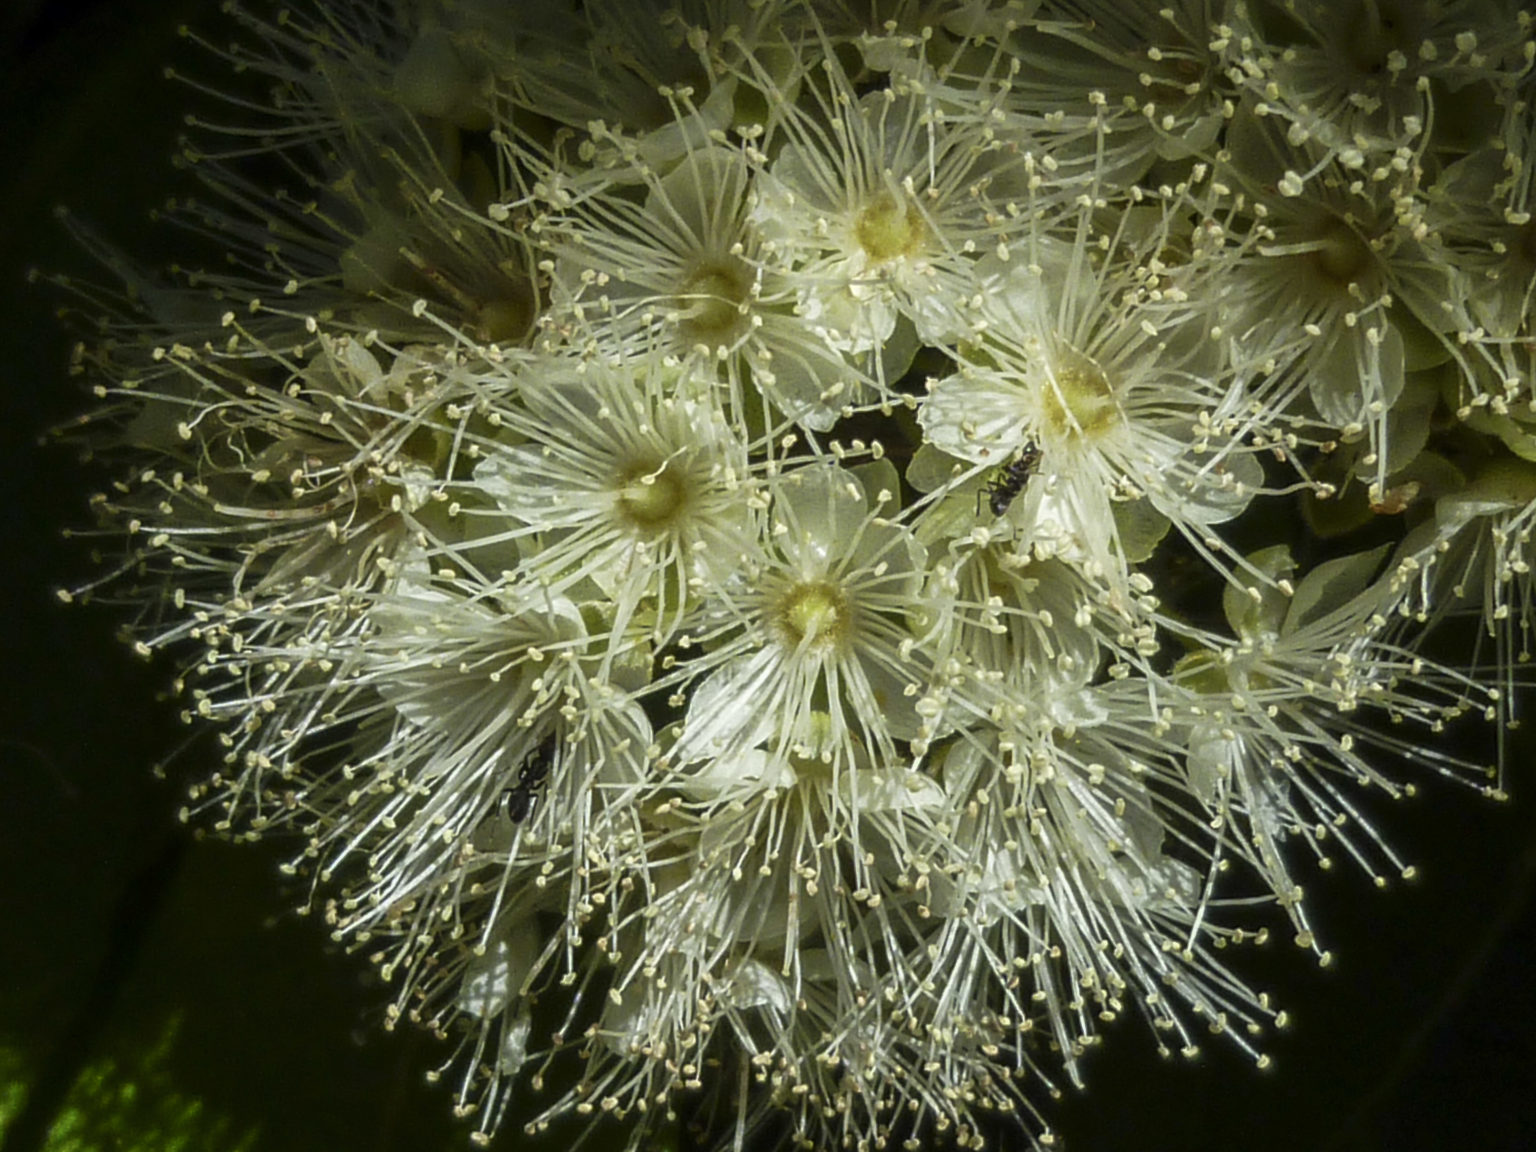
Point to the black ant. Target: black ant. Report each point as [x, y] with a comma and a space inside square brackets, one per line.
[1005, 487]
[518, 802]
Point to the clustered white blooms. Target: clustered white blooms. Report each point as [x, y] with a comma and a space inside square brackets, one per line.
[819, 550]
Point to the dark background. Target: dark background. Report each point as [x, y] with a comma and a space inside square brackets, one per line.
[128, 945]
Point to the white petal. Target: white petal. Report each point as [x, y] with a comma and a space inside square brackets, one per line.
[976, 416]
[817, 513]
[491, 981]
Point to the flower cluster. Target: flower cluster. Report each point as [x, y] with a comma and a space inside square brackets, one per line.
[819, 552]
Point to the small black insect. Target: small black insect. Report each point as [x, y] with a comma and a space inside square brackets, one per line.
[1005, 487]
[517, 802]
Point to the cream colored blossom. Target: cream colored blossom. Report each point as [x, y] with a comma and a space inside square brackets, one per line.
[810, 557]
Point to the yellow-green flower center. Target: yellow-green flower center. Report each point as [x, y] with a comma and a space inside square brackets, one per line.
[813, 613]
[888, 230]
[1340, 257]
[711, 298]
[1079, 399]
[1174, 78]
[652, 496]
[1203, 673]
[506, 318]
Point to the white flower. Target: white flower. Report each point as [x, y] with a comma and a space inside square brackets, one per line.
[1274, 719]
[453, 693]
[1474, 557]
[1117, 374]
[682, 271]
[1343, 288]
[1058, 868]
[621, 480]
[1115, 88]
[1364, 78]
[820, 626]
[878, 205]
[816, 553]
